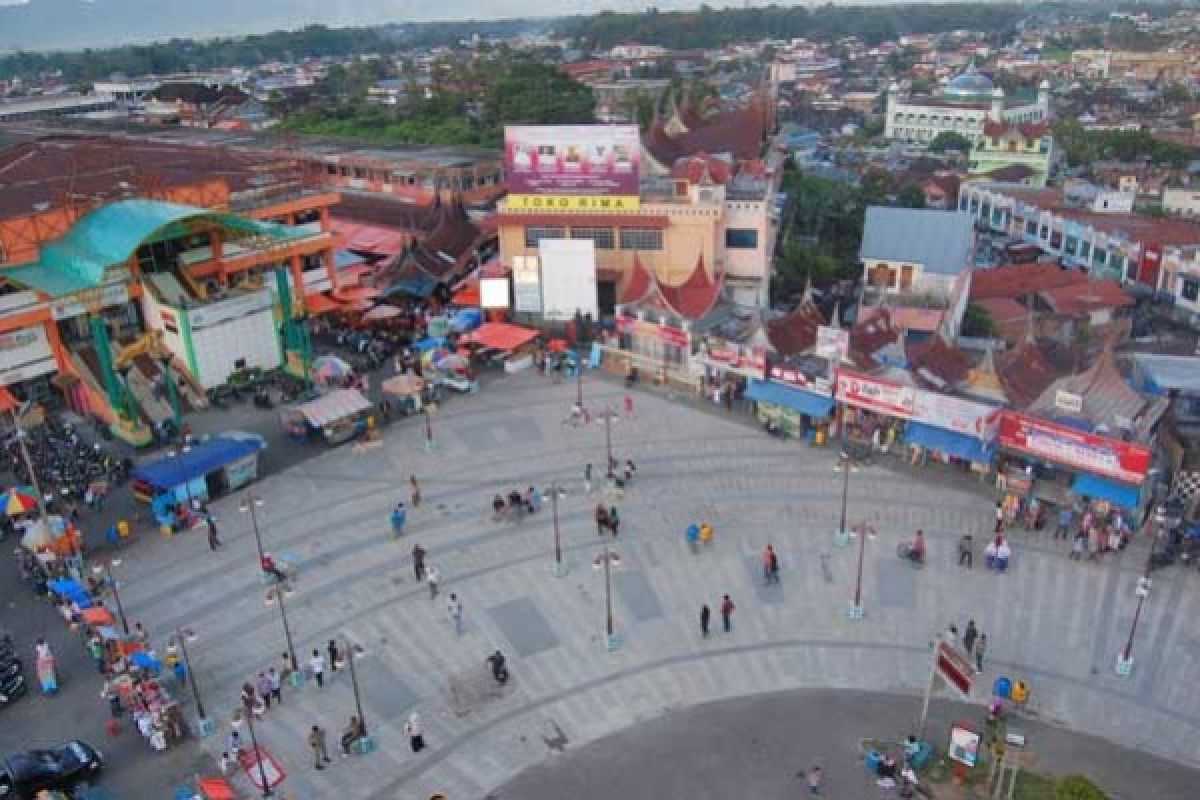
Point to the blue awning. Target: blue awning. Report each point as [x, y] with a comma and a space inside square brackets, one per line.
[1119, 494]
[417, 287]
[952, 443]
[198, 461]
[814, 405]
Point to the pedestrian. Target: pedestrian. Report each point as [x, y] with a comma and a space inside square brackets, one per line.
[1065, 517]
[432, 576]
[96, 649]
[225, 763]
[587, 478]
[601, 515]
[770, 565]
[980, 649]
[999, 517]
[628, 405]
[727, 608]
[264, 690]
[285, 666]
[705, 614]
[316, 740]
[248, 702]
[454, 606]
[1078, 546]
[419, 562]
[416, 738]
[614, 521]
[415, 490]
[969, 637]
[335, 658]
[952, 634]
[276, 685]
[235, 744]
[966, 550]
[317, 665]
[814, 781]
[213, 540]
[140, 634]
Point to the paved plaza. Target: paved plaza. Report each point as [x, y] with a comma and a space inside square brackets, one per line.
[1055, 623]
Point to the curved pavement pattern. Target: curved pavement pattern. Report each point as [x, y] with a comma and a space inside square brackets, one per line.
[1056, 623]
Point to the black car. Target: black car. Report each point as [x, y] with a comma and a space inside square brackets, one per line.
[62, 767]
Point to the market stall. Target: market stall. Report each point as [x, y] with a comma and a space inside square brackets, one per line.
[196, 474]
[514, 342]
[335, 417]
[406, 390]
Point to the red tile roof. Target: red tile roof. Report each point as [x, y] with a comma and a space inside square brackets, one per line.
[1029, 130]
[935, 357]
[1138, 227]
[696, 296]
[1012, 173]
[1077, 301]
[797, 332]
[702, 168]
[739, 132]
[1025, 372]
[637, 284]
[1019, 280]
[873, 332]
[1003, 310]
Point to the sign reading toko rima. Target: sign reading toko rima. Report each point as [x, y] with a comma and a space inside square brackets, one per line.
[572, 167]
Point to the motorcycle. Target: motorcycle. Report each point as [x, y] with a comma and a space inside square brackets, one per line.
[904, 551]
[12, 688]
[499, 670]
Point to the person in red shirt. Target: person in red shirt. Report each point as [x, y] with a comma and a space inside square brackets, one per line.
[269, 567]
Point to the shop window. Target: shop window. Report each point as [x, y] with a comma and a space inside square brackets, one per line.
[741, 238]
[1072, 246]
[1056, 240]
[1099, 256]
[1190, 290]
[906, 276]
[1085, 250]
[534, 235]
[641, 239]
[603, 237]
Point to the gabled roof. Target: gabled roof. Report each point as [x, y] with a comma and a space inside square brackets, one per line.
[702, 168]
[942, 241]
[938, 363]
[1107, 400]
[796, 332]
[694, 297]
[1028, 130]
[1025, 372]
[1021, 280]
[637, 284]
[870, 334]
[738, 132]
[1077, 301]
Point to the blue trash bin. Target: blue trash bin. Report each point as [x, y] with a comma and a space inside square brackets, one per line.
[1002, 688]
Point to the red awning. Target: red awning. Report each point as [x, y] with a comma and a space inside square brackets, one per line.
[501, 335]
[468, 295]
[321, 304]
[7, 401]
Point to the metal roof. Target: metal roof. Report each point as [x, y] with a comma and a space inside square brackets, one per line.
[941, 241]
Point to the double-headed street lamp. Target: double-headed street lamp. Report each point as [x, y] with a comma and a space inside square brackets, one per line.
[105, 568]
[181, 638]
[247, 716]
[275, 594]
[560, 568]
[607, 560]
[845, 465]
[608, 415]
[250, 502]
[353, 653]
[1125, 657]
[429, 445]
[863, 531]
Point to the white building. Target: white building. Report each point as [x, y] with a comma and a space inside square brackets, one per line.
[962, 106]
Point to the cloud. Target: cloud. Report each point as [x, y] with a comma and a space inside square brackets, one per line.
[14, 2]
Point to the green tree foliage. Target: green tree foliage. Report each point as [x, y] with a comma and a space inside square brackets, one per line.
[910, 196]
[1077, 787]
[538, 94]
[949, 140]
[1084, 147]
[977, 322]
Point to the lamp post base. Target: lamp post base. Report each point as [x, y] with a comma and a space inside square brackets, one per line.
[842, 538]
[430, 446]
[857, 612]
[205, 727]
[613, 642]
[296, 678]
[1124, 665]
[560, 570]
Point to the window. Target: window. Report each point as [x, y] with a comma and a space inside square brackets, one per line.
[962, 203]
[603, 237]
[741, 238]
[1085, 250]
[1190, 290]
[641, 239]
[1072, 246]
[533, 235]
[1099, 256]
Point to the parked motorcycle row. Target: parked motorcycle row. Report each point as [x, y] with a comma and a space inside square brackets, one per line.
[62, 457]
[364, 350]
[12, 673]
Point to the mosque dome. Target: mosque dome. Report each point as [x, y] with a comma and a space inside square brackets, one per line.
[969, 85]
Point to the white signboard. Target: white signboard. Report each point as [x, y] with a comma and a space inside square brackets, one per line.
[527, 284]
[230, 309]
[25, 354]
[1068, 401]
[493, 293]
[113, 294]
[568, 278]
[832, 343]
[951, 413]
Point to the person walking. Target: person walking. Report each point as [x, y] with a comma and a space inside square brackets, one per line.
[774, 564]
[999, 517]
[628, 405]
[317, 665]
[248, 701]
[980, 649]
[432, 576]
[614, 521]
[264, 690]
[415, 490]
[214, 541]
[416, 736]
[587, 478]
[276, 685]
[969, 637]
[768, 557]
[334, 655]
[418, 557]
[966, 550]
[705, 614]
[727, 608]
[814, 781]
[1065, 518]
[454, 606]
[316, 740]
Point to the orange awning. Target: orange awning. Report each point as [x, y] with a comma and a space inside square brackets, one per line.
[7, 401]
[467, 296]
[321, 304]
[501, 335]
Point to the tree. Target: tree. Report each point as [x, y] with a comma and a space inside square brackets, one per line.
[1077, 787]
[910, 196]
[977, 322]
[949, 140]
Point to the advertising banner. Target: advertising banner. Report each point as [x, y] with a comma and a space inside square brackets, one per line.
[952, 414]
[792, 376]
[527, 284]
[568, 278]
[832, 343]
[25, 354]
[906, 402]
[558, 163]
[884, 397]
[1099, 455]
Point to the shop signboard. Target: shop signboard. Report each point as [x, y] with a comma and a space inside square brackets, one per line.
[952, 414]
[964, 745]
[798, 378]
[832, 343]
[572, 167]
[493, 292]
[751, 361]
[1068, 401]
[873, 394]
[1111, 458]
[113, 294]
[25, 354]
[527, 284]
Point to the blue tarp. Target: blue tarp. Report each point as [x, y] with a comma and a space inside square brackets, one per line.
[417, 287]
[1119, 494]
[952, 443]
[814, 405]
[468, 319]
[344, 259]
[201, 459]
[431, 343]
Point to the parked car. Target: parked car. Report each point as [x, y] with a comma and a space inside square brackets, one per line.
[61, 767]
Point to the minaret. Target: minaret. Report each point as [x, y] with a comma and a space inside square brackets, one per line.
[893, 97]
[1043, 98]
[997, 112]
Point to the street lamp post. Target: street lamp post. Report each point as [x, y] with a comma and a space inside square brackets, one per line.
[1125, 657]
[262, 770]
[560, 569]
[606, 561]
[251, 501]
[608, 415]
[172, 395]
[278, 593]
[579, 380]
[105, 569]
[428, 431]
[353, 651]
[862, 531]
[841, 536]
[182, 637]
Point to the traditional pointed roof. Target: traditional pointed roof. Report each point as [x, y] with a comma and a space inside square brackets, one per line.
[937, 363]
[982, 380]
[696, 296]
[739, 132]
[1025, 372]
[1108, 402]
[796, 332]
[637, 283]
[444, 252]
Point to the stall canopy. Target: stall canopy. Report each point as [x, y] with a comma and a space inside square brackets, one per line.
[814, 405]
[952, 443]
[333, 406]
[196, 462]
[501, 336]
[1098, 488]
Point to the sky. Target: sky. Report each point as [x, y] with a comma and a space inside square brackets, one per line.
[72, 24]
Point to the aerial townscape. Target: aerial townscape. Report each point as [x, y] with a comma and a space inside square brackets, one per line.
[528, 401]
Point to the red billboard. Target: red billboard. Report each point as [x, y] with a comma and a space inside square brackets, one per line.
[1098, 455]
[570, 161]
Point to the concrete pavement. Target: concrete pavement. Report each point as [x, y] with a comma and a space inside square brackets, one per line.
[1056, 623]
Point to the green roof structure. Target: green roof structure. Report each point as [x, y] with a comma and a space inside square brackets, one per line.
[108, 236]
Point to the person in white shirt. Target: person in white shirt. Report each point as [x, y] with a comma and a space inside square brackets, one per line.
[317, 665]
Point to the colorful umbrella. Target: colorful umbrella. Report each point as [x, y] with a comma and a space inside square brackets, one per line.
[97, 616]
[381, 313]
[451, 362]
[18, 500]
[331, 368]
